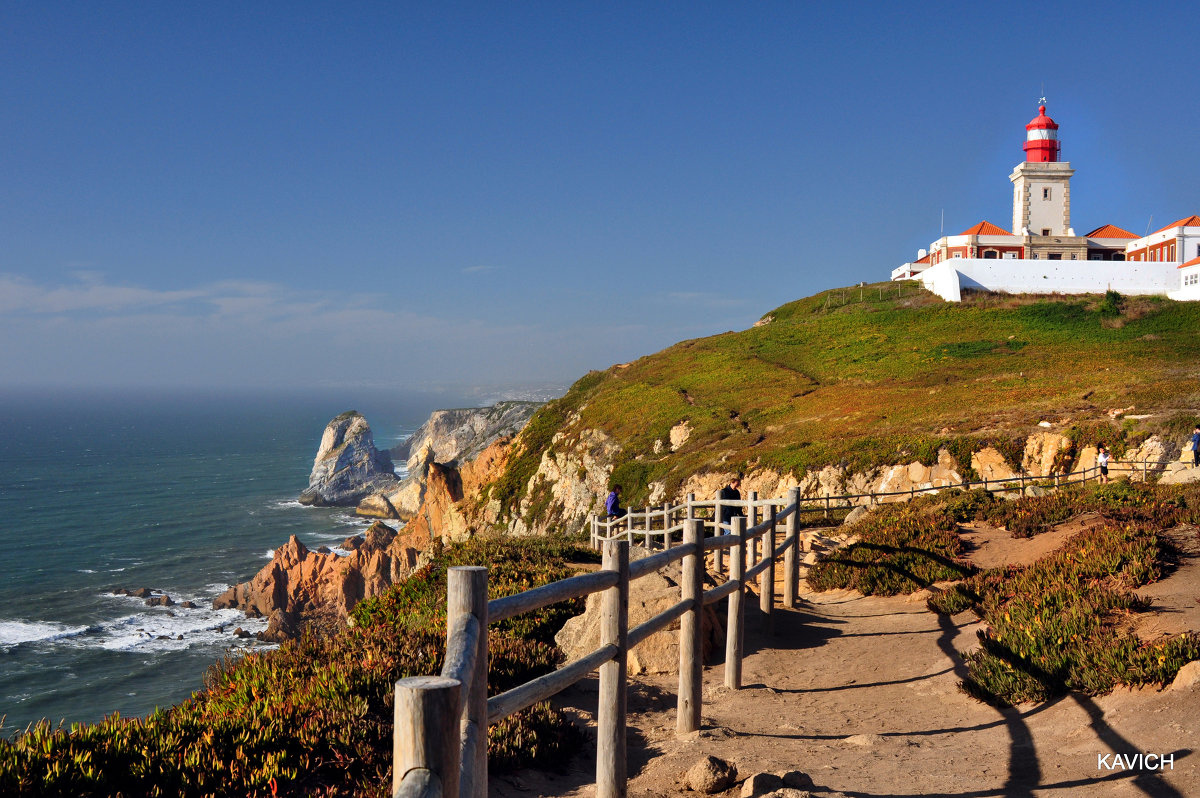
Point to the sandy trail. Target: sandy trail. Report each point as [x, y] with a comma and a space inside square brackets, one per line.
[861, 694]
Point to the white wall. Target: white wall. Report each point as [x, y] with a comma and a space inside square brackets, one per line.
[1022, 276]
[1186, 293]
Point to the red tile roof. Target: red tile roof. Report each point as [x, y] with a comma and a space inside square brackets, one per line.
[1110, 231]
[1192, 262]
[922, 260]
[985, 228]
[1190, 221]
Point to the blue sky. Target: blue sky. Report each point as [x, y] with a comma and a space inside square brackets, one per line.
[400, 194]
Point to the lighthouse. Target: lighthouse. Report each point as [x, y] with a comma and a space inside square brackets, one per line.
[1041, 138]
[1042, 192]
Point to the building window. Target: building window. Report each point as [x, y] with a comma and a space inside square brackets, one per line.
[1171, 253]
[1054, 256]
[1034, 256]
[1045, 231]
[1073, 257]
[1045, 193]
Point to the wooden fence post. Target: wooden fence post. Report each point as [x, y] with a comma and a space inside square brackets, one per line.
[690, 676]
[426, 731]
[751, 522]
[791, 556]
[719, 554]
[766, 580]
[467, 594]
[666, 525]
[733, 619]
[610, 711]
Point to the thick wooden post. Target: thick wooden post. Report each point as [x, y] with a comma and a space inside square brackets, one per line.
[733, 619]
[610, 711]
[751, 521]
[426, 733]
[719, 554]
[766, 579]
[791, 556]
[690, 676]
[467, 594]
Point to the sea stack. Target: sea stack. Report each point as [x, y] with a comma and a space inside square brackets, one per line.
[348, 466]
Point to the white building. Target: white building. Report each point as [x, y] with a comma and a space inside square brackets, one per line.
[1043, 255]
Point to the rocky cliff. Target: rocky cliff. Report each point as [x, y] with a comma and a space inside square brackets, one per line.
[449, 438]
[303, 587]
[454, 436]
[572, 479]
[348, 466]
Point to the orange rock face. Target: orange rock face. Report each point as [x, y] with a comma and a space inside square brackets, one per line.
[310, 585]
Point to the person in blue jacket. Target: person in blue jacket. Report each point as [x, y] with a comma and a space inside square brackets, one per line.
[612, 505]
[1196, 446]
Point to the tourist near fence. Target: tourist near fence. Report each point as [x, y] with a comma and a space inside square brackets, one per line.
[440, 737]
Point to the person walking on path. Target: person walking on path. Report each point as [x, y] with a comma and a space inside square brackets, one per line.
[730, 494]
[612, 505]
[1196, 446]
[1102, 458]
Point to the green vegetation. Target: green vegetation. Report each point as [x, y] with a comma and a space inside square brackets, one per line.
[880, 375]
[314, 717]
[903, 547]
[1053, 626]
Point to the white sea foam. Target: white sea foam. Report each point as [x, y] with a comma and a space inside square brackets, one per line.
[16, 632]
[287, 504]
[173, 628]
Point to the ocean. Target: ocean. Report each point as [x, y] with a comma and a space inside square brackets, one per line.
[181, 493]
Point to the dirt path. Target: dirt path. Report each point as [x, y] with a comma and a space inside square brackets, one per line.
[860, 693]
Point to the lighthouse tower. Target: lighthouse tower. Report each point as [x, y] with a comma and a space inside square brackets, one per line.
[1042, 185]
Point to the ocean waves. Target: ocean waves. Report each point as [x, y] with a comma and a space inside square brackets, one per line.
[145, 629]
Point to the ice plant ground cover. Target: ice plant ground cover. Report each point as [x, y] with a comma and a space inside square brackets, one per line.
[315, 716]
[1052, 626]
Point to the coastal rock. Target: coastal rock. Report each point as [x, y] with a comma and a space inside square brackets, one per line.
[760, 784]
[710, 775]
[348, 466]
[1154, 454]
[990, 464]
[451, 438]
[311, 587]
[571, 481]
[1179, 474]
[1042, 449]
[443, 514]
[456, 436]
[648, 596]
[281, 626]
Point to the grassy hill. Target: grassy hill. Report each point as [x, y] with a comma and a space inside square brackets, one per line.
[882, 374]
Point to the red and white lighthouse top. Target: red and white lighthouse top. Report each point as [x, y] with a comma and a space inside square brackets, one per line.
[1041, 138]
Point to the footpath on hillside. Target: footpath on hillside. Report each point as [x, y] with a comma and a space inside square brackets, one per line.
[861, 694]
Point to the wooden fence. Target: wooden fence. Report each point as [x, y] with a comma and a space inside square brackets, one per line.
[440, 743]
[440, 740]
[658, 527]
